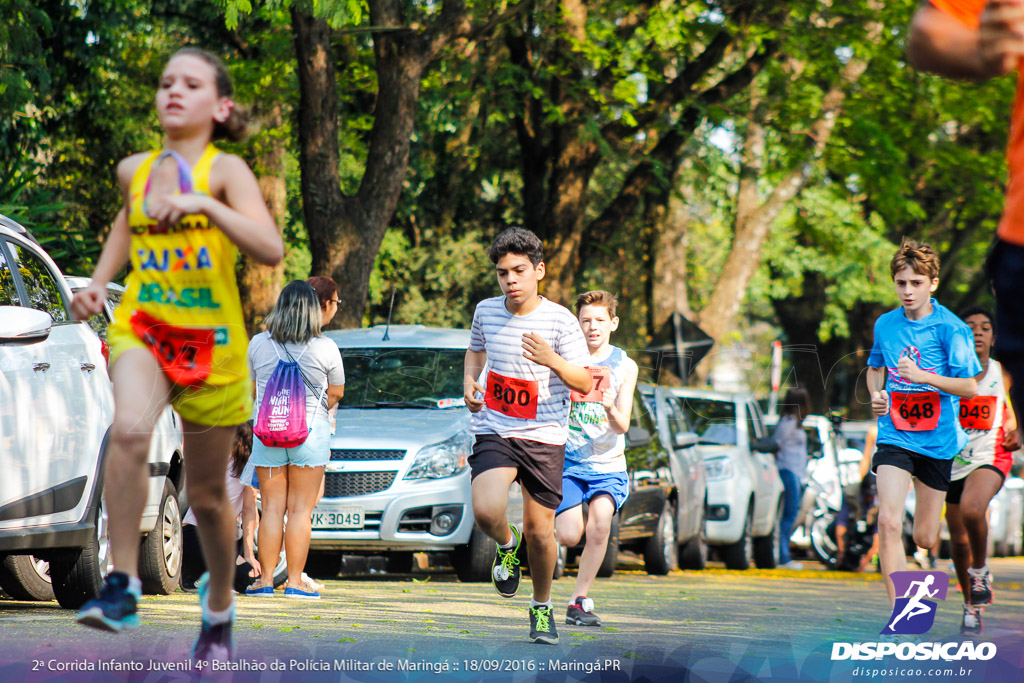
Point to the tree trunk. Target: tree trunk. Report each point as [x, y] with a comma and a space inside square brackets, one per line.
[669, 286]
[259, 285]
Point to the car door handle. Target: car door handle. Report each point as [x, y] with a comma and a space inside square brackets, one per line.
[88, 367]
[41, 367]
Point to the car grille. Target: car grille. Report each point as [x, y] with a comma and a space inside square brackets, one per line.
[366, 454]
[338, 484]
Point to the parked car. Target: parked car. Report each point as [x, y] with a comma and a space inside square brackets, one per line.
[689, 495]
[56, 404]
[744, 492]
[398, 481]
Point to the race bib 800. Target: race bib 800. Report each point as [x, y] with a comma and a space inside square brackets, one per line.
[511, 396]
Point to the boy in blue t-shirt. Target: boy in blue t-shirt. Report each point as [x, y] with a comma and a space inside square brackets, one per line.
[921, 364]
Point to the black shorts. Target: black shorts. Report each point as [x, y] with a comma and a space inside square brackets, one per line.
[956, 488]
[933, 473]
[539, 464]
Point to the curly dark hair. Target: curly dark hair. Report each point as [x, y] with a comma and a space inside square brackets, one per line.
[517, 241]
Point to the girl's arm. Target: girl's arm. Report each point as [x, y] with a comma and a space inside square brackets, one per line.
[89, 300]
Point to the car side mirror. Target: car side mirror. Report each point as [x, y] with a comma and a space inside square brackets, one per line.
[765, 445]
[20, 326]
[637, 437]
[686, 439]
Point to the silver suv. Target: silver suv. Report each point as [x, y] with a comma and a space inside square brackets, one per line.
[398, 481]
[56, 404]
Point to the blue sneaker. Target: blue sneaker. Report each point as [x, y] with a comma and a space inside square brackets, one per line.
[115, 609]
[215, 642]
[260, 591]
[290, 592]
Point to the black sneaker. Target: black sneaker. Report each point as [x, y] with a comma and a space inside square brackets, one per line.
[581, 613]
[215, 642]
[115, 609]
[542, 626]
[981, 587]
[505, 570]
[971, 624]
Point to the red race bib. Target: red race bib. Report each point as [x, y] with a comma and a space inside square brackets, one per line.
[185, 354]
[978, 412]
[510, 396]
[600, 376]
[914, 412]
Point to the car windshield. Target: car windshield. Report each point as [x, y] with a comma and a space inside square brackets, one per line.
[713, 421]
[403, 378]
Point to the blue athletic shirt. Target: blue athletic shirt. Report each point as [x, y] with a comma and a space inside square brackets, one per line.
[940, 343]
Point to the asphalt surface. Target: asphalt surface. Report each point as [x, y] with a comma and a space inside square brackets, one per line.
[715, 624]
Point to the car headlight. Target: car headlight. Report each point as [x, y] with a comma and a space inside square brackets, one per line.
[444, 459]
[718, 468]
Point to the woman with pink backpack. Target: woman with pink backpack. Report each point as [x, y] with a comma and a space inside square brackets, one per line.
[298, 377]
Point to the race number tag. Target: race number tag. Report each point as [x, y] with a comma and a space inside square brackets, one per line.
[511, 396]
[978, 412]
[600, 376]
[185, 354]
[914, 412]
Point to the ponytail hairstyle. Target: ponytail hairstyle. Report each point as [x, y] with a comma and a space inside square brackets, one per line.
[237, 125]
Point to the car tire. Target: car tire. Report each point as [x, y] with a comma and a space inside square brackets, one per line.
[611, 555]
[561, 558]
[766, 548]
[660, 550]
[25, 577]
[161, 551]
[472, 562]
[740, 554]
[77, 575]
[399, 563]
[694, 553]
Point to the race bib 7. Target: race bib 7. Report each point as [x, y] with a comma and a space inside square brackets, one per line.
[600, 376]
[185, 354]
[511, 396]
[978, 412]
[914, 412]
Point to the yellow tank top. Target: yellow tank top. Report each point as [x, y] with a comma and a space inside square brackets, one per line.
[185, 275]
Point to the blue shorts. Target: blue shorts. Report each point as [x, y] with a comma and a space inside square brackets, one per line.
[578, 490]
[315, 451]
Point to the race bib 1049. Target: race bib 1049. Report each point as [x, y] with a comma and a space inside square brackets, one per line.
[978, 412]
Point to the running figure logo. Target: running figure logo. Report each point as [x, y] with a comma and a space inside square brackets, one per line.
[914, 613]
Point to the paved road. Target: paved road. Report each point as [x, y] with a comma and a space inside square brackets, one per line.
[773, 625]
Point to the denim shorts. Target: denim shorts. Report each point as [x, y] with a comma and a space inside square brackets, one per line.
[578, 490]
[315, 451]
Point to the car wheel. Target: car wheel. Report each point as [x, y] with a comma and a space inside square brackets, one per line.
[766, 548]
[660, 549]
[561, 559]
[472, 562]
[77, 575]
[611, 555]
[161, 551]
[694, 553]
[25, 577]
[740, 555]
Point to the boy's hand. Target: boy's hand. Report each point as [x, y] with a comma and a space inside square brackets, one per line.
[909, 371]
[538, 350]
[880, 402]
[1012, 440]
[469, 392]
[608, 401]
[1001, 36]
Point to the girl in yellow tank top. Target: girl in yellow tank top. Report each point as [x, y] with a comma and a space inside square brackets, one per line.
[178, 336]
